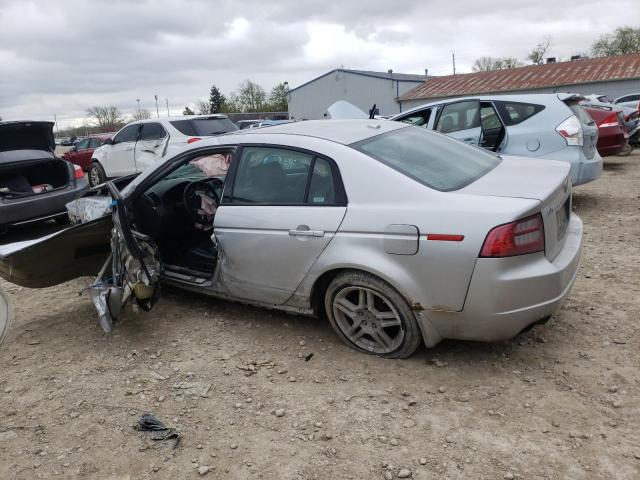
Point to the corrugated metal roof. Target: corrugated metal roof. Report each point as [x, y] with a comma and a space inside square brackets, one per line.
[575, 72]
[403, 77]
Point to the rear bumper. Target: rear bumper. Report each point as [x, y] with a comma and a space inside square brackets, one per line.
[39, 207]
[506, 295]
[583, 170]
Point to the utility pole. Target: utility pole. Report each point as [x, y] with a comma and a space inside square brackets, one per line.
[453, 57]
[138, 100]
[167, 100]
[157, 111]
[55, 120]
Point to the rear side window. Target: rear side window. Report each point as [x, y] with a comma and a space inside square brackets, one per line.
[580, 112]
[152, 131]
[204, 126]
[437, 161]
[95, 143]
[513, 113]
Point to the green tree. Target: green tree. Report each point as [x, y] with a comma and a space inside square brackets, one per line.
[216, 100]
[537, 54]
[487, 64]
[231, 104]
[623, 40]
[279, 98]
[187, 111]
[251, 96]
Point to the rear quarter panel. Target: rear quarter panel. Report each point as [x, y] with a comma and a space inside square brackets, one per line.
[438, 275]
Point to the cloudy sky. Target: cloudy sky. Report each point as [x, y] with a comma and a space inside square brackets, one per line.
[64, 56]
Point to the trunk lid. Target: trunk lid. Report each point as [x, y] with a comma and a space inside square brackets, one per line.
[27, 136]
[548, 182]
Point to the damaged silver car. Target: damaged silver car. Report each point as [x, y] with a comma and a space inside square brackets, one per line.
[398, 235]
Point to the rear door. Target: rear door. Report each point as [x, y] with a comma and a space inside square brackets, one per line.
[280, 210]
[461, 120]
[119, 158]
[151, 145]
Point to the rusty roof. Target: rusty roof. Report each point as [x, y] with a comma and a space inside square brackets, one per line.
[574, 72]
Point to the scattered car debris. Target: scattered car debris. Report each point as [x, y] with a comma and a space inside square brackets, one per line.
[252, 366]
[149, 423]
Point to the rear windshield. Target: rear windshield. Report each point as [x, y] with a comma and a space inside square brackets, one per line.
[580, 112]
[513, 113]
[204, 126]
[433, 159]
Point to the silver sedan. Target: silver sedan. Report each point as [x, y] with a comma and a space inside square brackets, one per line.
[398, 235]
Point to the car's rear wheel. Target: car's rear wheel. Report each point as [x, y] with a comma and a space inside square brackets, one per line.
[371, 316]
[96, 174]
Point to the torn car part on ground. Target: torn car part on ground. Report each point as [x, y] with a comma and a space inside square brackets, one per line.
[159, 431]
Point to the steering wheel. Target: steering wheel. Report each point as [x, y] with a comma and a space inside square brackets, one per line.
[193, 202]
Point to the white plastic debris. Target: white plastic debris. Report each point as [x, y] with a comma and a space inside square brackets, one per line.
[85, 209]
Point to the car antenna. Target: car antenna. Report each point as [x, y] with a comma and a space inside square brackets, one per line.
[372, 112]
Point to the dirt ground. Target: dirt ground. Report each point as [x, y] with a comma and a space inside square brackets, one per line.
[561, 401]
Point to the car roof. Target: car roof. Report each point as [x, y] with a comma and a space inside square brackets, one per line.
[345, 132]
[540, 98]
[180, 117]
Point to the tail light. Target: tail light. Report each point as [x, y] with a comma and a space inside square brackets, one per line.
[571, 131]
[77, 172]
[611, 120]
[193, 139]
[515, 238]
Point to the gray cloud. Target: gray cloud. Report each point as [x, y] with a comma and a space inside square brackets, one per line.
[66, 56]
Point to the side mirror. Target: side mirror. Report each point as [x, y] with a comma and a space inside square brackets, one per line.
[108, 141]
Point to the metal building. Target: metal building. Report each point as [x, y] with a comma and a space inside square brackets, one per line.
[359, 87]
[612, 76]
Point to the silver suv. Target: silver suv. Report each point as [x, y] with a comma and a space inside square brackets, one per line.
[551, 126]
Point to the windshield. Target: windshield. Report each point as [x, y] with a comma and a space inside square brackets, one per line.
[433, 159]
[204, 126]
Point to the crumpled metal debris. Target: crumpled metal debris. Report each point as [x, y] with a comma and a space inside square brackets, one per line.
[159, 431]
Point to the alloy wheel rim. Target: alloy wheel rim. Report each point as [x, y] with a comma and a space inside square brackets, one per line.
[95, 176]
[368, 319]
[5, 314]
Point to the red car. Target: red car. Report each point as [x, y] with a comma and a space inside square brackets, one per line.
[82, 152]
[612, 134]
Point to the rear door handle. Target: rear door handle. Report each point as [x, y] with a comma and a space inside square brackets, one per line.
[306, 233]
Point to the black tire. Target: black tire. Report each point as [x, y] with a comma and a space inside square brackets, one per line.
[97, 175]
[408, 337]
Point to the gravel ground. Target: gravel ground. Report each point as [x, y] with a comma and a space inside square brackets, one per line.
[558, 402]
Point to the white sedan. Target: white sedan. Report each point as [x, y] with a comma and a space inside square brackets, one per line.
[140, 144]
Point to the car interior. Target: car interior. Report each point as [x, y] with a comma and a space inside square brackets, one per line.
[493, 131]
[178, 212]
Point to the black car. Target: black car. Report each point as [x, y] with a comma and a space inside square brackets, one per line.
[35, 185]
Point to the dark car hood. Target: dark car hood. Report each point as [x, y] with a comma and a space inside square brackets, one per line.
[25, 135]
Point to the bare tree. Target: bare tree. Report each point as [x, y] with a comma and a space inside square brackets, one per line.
[188, 111]
[106, 118]
[251, 96]
[537, 54]
[142, 115]
[203, 107]
[487, 64]
[623, 40]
